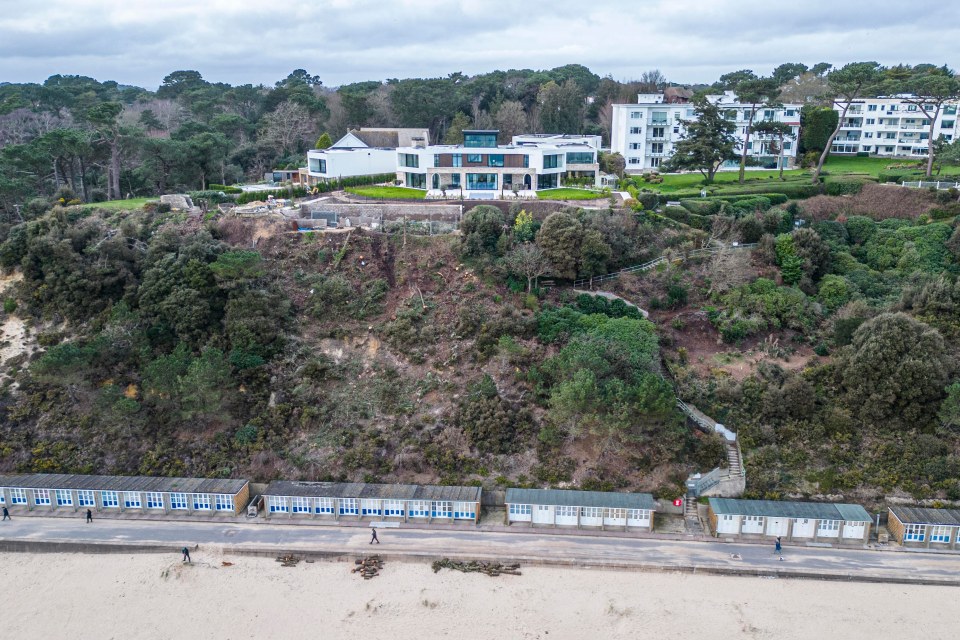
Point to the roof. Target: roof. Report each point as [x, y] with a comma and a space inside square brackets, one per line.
[925, 515]
[375, 491]
[121, 483]
[570, 498]
[389, 137]
[481, 130]
[788, 509]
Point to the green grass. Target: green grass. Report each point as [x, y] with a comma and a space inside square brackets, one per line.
[120, 205]
[683, 181]
[569, 194]
[396, 193]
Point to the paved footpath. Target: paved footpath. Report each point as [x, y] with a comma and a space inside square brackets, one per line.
[33, 533]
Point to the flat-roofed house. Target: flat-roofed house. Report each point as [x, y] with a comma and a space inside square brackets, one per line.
[118, 494]
[815, 521]
[359, 500]
[569, 508]
[924, 527]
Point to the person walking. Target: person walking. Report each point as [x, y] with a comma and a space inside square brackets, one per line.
[186, 555]
[6, 514]
[779, 549]
[373, 537]
[89, 516]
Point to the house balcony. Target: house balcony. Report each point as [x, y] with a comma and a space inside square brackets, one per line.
[658, 123]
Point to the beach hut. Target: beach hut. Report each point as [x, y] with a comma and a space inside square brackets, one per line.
[924, 527]
[814, 521]
[360, 500]
[568, 508]
[56, 492]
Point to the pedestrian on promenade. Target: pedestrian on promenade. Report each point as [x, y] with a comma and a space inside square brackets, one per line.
[6, 514]
[779, 548]
[373, 537]
[186, 555]
[89, 516]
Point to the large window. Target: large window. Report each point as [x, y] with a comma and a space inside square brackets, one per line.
[224, 502]
[567, 512]
[109, 499]
[591, 512]
[548, 180]
[41, 496]
[349, 506]
[914, 532]
[481, 181]
[393, 507]
[154, 500]
[301, 504]
[636, 115]
[486, 139]
[85, 498]
[64, 498]
[458, 159]
[131, 499]
[464, 510]
[950, 110]
[409, 160]
[475, 158]
[495, 160]
[178, 501]
[419, 508]
[201, 502]
[580, 157]
[277, 504]
[827, 527]
[324, 505]
[658, 117]
[656, 147]
[552, 161]
[940, 533]
[520, 509]
[318, 165]
[416, 180]
[18, 496]
[442, 509]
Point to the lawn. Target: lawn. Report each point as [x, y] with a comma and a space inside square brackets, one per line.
[392, 193]
[121, 205]
[569, 194]
[683, 181]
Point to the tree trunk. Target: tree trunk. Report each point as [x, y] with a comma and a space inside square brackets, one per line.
[782, 157]
[114, 172]
[826, 148]
[529, 284]
[933, 124]
[746, 142]
[83, 179]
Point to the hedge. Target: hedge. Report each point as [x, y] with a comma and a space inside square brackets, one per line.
[253, 196]
[680, 214]
[793, 191]
[225, 189]
[844, 187]
[899, 175]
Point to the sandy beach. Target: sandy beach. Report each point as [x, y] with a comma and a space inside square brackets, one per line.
[52, 596]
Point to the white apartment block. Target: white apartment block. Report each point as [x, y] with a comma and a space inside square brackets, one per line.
[480, 169]
[645, 133]
[892, 127]
[361, 152]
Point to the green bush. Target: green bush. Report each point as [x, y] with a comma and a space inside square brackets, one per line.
[9, 305]
[844, 187]
[225, 189]
[253, 196]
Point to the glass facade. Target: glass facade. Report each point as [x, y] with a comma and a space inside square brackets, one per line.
[547, 180]
[475, 158]
[487, 139]
[580, 157]
[409, 160]
[482, 181]
[551, 161]
[416, 180]
[318, 165]
[495, 160]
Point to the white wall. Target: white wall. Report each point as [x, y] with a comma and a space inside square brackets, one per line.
[728, 526]
[343, 163]
[871, 122]
[777, 526]
[853, 530]
[543, 514]
[803, 527]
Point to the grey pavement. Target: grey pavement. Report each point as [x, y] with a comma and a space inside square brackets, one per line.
[419, 544]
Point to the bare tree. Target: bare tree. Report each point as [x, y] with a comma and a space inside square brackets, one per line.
[511, 119]
[287, 126]
[528, 260]
[651, 81]
[605, 118]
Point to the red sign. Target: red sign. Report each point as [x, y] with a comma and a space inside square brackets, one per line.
[678, 502]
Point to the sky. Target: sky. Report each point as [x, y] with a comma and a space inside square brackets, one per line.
[240, 41]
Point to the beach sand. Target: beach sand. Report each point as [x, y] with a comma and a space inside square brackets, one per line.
[76, 596]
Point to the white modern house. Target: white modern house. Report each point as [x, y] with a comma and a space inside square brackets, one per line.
[480, 169]
[645, 133]
[566, 508]
[892, 126]
[362, 152]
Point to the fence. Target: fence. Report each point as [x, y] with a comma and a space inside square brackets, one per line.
[940, 186]
[646, 266]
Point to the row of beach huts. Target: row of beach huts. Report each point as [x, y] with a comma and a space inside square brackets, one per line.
[819, 522]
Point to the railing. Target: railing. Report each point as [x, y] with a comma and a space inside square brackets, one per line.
[941, 186]
[646, 266]
[696, 486]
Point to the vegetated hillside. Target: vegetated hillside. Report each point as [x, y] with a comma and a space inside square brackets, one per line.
[238, 348]
[831, 348]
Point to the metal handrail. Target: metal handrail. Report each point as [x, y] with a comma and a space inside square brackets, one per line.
[646, 266]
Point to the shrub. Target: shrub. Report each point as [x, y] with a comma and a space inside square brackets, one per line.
[9, 305]
[844, 187]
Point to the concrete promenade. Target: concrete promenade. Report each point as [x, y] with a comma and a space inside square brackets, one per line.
[631, 553]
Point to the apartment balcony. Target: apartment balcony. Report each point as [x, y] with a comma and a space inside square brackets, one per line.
[653, 138]
[658, 123]
[915, 127]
